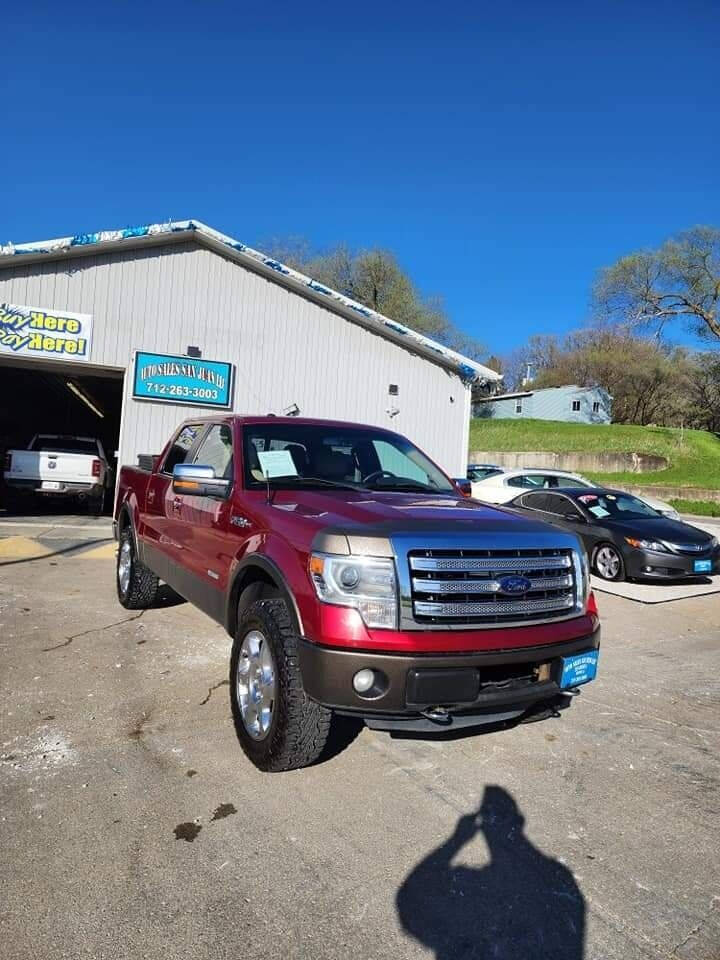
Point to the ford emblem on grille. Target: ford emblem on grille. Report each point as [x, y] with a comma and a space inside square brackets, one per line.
[515, 585]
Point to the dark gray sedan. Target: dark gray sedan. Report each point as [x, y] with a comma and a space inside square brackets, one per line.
[625, 539]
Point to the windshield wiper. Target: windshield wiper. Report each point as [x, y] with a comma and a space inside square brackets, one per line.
[383, 483]
[337, 484]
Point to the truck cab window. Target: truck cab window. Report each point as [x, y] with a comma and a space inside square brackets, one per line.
[216, 451]
[181, 447]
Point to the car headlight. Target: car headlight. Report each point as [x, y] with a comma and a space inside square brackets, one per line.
[713, 543]
[672, 514]
[366, 583]
[647, 545]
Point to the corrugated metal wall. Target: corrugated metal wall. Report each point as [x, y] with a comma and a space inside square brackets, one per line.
[285, 349]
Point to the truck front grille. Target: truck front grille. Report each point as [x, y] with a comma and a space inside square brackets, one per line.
[464, 586]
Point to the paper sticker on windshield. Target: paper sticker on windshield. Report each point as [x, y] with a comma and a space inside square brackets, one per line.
[587, 497]
[277, 463]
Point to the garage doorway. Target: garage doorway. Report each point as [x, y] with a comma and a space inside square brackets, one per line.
[66, 399]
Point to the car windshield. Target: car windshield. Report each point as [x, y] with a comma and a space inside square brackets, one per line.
[615, 506]
[318, 455]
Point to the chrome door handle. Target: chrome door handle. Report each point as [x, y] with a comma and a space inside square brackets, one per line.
[177, 503]
[151, 496]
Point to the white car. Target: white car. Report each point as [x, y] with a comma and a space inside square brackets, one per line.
[502, 486]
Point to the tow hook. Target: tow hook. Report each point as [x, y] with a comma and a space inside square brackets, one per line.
[438, 715]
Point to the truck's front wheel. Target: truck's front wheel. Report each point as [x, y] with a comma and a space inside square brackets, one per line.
[278, 727]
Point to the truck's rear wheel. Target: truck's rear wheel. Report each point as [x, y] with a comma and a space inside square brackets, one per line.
[278, 727]
[137, 586]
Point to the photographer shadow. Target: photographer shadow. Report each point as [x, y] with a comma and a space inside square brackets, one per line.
[521, 905]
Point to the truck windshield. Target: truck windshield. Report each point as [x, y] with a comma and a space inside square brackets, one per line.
[318, 455]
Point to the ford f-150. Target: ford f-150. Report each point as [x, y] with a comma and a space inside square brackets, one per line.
[354, 578]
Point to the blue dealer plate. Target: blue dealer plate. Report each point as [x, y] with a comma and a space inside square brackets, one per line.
[702, 566]
[579, 668]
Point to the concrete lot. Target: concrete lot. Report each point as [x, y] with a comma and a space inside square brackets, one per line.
[133, 827]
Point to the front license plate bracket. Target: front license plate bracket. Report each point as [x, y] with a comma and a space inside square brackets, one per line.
[578, 668]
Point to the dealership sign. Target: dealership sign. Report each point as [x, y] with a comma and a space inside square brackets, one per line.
[47, 334]
[184, 380]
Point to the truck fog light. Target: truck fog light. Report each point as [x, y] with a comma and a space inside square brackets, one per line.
[363, 680]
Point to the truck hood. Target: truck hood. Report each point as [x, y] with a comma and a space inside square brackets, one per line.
[386, 513]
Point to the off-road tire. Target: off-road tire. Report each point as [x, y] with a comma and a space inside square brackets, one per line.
[299, 727]
[143, 586]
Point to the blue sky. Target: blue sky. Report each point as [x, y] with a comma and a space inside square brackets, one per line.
[502, 151]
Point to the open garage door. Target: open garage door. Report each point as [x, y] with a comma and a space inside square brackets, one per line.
[66, 399]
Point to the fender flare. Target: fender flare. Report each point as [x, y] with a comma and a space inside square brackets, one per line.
[125, 512]
[271, 570]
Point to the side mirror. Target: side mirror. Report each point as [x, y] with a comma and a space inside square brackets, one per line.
[195, 480]
[574, 517]
[463, 485]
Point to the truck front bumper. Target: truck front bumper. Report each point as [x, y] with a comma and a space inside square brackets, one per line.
[471, 688]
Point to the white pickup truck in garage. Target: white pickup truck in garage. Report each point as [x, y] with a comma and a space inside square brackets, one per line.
[60, 466]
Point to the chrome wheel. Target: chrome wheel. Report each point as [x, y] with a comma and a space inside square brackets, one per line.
[608, 563]
[124, 565]
[255, 684]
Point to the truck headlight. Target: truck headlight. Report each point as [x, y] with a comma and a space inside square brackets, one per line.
[366, 583]
[582, 579]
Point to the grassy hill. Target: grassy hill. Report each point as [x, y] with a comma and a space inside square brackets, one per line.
[693, 455]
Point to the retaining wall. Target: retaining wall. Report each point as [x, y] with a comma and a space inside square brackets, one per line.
[574, 462]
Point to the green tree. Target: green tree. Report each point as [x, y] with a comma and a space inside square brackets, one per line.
[679, 280]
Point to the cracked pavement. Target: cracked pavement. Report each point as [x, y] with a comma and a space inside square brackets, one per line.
[132, 826]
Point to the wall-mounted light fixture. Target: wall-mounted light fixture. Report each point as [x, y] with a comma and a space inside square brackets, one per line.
[195, 352]
[292, 411]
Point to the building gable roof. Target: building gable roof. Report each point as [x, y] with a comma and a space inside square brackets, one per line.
[111, 240]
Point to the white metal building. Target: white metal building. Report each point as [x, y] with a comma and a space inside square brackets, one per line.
[125, 333]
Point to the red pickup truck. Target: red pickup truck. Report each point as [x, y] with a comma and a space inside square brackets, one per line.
[354, 578]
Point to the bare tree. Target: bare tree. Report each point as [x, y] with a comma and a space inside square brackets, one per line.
[705, 392]
[680, 280]
[648, 381]
[376, 279]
